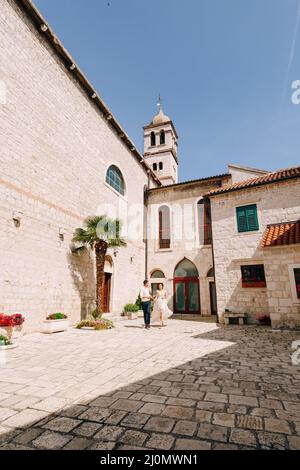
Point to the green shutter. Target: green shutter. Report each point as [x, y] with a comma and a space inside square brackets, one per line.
[252, 221]
[247, 218]
[241, 219]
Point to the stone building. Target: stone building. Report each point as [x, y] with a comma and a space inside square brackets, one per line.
[256, 239]
[65, 157]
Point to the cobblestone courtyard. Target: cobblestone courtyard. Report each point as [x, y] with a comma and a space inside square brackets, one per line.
[191, 385]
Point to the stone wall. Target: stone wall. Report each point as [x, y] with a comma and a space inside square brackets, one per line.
[276, 202]
[55, 150]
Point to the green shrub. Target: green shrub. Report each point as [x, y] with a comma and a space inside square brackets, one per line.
[100, 324]
[95, 314]
[138, 302]
[128, 308]
[4, 341]
[57, 316]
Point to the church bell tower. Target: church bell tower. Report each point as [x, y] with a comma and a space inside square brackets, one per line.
[160, 147]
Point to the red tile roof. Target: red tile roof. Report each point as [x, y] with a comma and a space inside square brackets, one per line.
[276, 176]
[285, 233]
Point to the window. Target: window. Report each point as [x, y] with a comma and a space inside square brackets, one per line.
[160, 166]
[157, 274]
[186, 269]
[253, 276]
[162, 137]
[115, 179]
[164, 227]
[297, 281]
[152, 139]
[154, 166]
[204, 222]
[247, 218]
[210, 273]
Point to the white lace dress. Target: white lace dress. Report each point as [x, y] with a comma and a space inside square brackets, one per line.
[160, 304]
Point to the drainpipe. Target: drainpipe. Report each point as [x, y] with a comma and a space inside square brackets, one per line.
[146, 223]
[213, 258]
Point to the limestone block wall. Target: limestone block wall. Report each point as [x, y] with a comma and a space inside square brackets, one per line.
[275, 203]
[55, 150]
[184, 237]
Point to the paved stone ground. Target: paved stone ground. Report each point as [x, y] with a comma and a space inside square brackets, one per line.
[190, 385]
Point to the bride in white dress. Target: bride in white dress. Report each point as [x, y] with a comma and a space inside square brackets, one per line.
[161, 310]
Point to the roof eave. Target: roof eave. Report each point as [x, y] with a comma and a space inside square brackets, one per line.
[45, 30]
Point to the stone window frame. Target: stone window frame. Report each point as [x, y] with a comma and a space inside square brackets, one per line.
[248, 202]
[155, 208]
[291, 268]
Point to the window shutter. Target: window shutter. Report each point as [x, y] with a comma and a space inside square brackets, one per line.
[252, 220]
[241, 219]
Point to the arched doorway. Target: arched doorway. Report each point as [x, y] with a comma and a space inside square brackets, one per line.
[108, 272]
[186, 288]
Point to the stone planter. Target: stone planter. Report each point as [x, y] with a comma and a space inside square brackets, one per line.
[140, 314]
[55, 326]
[131, 315]
[8, 346]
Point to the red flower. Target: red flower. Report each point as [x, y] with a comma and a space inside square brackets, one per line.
[11, 320]
[17, 319]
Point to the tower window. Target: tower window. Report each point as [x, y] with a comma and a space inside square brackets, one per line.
[153, 139]
[154, 166]
[160, 166]
[162, 137]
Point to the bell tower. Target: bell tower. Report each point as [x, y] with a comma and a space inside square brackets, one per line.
[160, 147]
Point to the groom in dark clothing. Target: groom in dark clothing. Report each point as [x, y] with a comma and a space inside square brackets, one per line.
[146, 298]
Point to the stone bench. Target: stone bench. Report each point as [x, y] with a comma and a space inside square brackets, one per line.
[242, 317]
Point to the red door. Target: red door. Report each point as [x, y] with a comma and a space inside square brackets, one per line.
[186, 295]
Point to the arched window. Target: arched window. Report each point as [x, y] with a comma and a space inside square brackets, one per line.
[160, 166]
[162, 137]
[186, 269]
[204, 222]
[158, 274]
[210, 273]
[154, 166]
[115, 179]
[153, 139]
[164, 227]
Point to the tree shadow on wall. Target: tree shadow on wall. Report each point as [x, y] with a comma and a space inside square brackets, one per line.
[82, 270]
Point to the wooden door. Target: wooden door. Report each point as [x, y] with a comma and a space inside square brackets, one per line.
[106, 293]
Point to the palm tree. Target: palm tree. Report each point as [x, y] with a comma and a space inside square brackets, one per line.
[99, 234]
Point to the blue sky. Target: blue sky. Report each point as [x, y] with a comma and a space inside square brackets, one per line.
[220, 65]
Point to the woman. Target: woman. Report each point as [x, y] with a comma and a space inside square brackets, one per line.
[161, 310]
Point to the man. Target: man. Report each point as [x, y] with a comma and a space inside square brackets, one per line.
[146, 297]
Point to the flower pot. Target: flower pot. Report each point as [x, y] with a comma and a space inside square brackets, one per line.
[140, 314]
[55, 326]
[8, 346]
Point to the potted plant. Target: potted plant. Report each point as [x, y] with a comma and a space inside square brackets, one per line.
[55, 323]
[9, 323]
[131, 311]
[98, 324]
[138, 302]
[264, 320]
